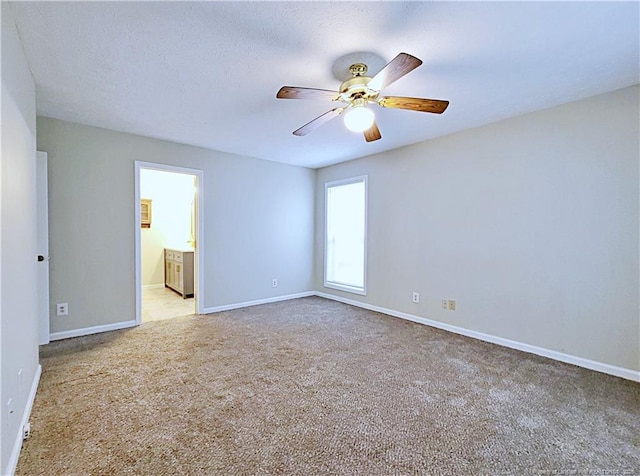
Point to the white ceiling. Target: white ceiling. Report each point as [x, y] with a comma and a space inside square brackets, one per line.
[206, 73]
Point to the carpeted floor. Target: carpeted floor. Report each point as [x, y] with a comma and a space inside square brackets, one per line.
[316, 387]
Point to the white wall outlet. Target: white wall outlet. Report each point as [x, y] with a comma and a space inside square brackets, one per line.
[62, 309]
[26, 431]
[274, 283]
[416, 297]
[445, 304]
[452, 304]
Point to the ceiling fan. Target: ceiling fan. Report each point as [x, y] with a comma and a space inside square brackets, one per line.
[360, 90]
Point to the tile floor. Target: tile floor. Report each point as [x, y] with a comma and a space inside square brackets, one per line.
[163, 303]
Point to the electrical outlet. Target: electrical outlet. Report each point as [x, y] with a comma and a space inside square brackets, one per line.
[452, 304]
[26, 431]
[445, 305]
[416, 297]
[274, 283]
[62, 309]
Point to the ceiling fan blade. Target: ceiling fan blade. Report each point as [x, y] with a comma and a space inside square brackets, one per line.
[373, 133]
[396, 68]
[435, 106]
[293, 92]
[318, 121]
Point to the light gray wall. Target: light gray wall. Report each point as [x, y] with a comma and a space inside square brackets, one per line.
[258, 222]
[18, 289]
[530, 224]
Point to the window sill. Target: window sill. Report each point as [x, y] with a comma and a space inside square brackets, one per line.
[343, 287]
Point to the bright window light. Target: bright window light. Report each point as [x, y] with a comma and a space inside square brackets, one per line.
[359, 119]
[345, 249]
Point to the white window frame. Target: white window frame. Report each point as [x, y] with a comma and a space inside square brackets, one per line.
[343, 287]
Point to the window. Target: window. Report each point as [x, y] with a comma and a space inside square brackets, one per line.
[346, 235]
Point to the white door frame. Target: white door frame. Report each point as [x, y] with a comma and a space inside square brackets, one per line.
[199, 249]
[43, 247]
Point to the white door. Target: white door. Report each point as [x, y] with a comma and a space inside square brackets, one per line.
[43, 247]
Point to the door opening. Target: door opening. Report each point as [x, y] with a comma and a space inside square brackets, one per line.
[168, 236]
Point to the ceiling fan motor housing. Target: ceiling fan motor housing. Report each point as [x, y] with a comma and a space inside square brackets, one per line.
[356, 87]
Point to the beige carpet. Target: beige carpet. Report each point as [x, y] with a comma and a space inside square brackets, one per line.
[315, 387]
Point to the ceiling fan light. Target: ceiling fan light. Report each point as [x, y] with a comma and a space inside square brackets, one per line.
[359, 119]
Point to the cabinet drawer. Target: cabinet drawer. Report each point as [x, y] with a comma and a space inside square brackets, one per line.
[177, 257]
[169, 255]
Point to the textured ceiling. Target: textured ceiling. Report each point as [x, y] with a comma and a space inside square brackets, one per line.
[206, 73]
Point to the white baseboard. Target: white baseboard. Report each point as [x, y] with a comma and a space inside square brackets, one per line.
[228, 307]
[17, 445]
[532, 349]
[208, 310]
[91, 330]
[153, 286]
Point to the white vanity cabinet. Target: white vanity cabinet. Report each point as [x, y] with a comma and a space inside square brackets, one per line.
[178, 271]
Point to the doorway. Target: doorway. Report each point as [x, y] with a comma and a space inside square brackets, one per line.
[168, 234]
